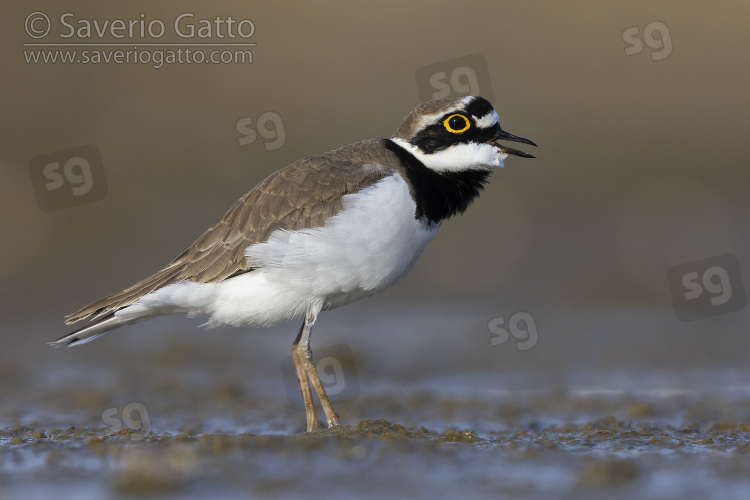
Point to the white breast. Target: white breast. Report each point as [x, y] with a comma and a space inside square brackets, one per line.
[371, 243]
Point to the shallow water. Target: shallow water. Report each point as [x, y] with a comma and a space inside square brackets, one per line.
[172, 411]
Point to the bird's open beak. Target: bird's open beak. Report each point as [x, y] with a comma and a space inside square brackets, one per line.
[502, 135]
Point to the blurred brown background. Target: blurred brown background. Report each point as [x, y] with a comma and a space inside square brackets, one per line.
[641, 165]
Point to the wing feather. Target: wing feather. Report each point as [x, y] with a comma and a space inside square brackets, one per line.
[302, 195]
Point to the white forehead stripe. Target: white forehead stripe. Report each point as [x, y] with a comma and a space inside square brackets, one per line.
[487, 121]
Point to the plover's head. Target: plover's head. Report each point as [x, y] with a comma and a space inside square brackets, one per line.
[457, 134]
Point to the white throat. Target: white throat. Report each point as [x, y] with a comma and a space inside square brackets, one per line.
[458, 157]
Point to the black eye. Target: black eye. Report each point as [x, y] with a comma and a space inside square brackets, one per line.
[457, 124]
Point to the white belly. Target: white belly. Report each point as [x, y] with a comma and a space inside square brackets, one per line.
[367, 247]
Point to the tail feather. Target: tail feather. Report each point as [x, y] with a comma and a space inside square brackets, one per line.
[90, 332]
[130, 295]
[190, 298]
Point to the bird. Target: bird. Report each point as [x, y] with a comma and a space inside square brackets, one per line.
[322, 232]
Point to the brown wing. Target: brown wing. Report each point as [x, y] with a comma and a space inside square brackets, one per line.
[301, 195]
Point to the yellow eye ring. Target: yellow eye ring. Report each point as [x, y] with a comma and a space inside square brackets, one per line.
[453, 124]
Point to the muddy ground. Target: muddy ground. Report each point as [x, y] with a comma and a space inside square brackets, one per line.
[175, 412]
